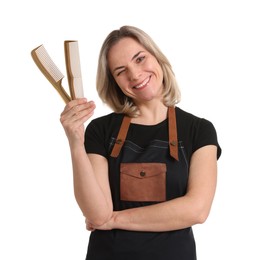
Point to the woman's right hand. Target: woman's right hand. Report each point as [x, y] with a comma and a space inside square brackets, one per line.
[73, 117]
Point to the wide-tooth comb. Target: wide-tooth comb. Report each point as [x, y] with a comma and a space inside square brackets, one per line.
[73, 69]
[50, 70]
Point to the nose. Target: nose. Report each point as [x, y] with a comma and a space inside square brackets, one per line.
[134, 73]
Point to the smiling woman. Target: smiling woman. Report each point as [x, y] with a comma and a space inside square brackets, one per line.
[135, 70]
[146, 173]
[144, 48]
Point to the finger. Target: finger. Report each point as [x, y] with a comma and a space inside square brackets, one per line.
[82, 112]
[76, 110]
[74, 103]
[89, 226]
[73, 119]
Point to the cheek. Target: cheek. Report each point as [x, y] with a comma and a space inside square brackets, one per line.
[160, 72]
[154, 66]
[122, 84]
[122, 81]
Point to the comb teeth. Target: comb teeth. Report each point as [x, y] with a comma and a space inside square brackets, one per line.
[48, 64]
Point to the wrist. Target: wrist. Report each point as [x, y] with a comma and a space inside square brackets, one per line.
[77, 150]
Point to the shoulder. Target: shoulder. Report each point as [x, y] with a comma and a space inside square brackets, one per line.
[186, 119]
[105, 123]
[107, 118]
[198, 130]
[99, 131]
[184, 116]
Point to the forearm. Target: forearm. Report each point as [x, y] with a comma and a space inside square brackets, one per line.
[172, 215]
[91, 186]
[88, 192]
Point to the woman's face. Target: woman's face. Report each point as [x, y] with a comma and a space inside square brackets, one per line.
[136, 71]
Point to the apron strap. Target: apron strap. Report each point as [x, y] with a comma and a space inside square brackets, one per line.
[121, 136]
[173, 140]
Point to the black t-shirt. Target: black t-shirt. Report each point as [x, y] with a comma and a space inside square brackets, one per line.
[193, 133]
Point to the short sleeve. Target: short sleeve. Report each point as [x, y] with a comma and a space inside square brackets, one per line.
[206, 135]
[95, 139]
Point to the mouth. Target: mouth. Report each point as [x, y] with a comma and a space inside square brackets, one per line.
[143, 84]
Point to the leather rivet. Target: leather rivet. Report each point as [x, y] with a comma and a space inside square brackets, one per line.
[119, 141]
[142, 174]
[173, 143]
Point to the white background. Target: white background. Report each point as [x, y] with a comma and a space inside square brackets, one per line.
[211, 45]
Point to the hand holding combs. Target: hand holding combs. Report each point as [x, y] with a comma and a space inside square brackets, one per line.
[54, 75]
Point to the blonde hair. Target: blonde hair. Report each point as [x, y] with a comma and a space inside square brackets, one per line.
[107, 88]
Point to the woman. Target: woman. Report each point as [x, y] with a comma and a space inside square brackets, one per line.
[146, 173]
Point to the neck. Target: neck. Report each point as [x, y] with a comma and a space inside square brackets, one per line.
[151, 114]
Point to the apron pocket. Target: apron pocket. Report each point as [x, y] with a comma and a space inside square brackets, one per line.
[143, 182]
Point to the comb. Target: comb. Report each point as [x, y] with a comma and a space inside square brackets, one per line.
[73, 68]
[50, 70]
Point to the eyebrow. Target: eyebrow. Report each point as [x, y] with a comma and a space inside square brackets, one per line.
[134, 57]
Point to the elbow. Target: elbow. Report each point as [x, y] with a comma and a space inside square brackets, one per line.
[100, 219]
[200, 214]
[201, 217]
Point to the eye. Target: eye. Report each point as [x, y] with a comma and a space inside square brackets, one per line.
[140, 59]
[119, 72]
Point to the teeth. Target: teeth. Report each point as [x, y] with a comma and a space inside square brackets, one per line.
[142, 84]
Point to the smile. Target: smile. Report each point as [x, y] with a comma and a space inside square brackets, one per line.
[143, 84]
